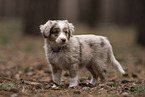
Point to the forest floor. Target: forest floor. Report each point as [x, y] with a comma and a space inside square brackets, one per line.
[24, 71]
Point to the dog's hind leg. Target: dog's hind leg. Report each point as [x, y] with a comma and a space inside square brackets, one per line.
[100, 67]
[103, 76]
[94, 74]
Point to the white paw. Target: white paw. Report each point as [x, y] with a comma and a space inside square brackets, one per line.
[54, 86]
[73, 85]
[93, 81]
[73, 82]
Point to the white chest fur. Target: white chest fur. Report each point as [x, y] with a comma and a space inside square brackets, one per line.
[60, 59]
[67, 56]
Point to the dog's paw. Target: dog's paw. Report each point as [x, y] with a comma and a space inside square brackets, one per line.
[90, 84]
[72, 85]
[54, 86]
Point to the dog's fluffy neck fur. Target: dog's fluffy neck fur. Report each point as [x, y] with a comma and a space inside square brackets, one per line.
[54, 47]
[57, 50]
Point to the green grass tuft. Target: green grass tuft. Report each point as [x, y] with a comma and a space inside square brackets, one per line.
[7, 85]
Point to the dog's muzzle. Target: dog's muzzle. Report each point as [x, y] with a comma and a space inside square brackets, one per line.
[61, 40]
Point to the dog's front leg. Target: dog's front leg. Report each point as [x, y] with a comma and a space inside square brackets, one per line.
[56, 75]
[74, 70]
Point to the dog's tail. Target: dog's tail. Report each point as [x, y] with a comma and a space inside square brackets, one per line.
[113, 60]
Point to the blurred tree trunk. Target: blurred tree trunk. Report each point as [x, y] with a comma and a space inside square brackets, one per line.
[93, 15]
[140, 14]
[125, 12]
[68, 9]
[38, 12]
[117, 11]
[89, 11]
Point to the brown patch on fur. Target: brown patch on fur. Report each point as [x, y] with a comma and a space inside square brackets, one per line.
[52, 37]
[54, 33]
[66, 32]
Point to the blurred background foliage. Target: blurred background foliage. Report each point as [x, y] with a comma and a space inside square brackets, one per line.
[32, 13]
[21, 44]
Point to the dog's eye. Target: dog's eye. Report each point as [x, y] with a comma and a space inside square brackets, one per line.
[66, 32]
[54, 32]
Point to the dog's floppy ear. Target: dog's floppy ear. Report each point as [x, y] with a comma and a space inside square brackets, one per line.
[45, 29]
[71, 27]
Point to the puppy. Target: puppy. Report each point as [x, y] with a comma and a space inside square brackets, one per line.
[65, 51]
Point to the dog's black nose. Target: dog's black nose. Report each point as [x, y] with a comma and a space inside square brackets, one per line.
[63, 39]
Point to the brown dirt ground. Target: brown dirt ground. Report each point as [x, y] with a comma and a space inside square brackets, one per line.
[24, 71]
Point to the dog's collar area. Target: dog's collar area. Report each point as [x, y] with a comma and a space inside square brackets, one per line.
[56, 50]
